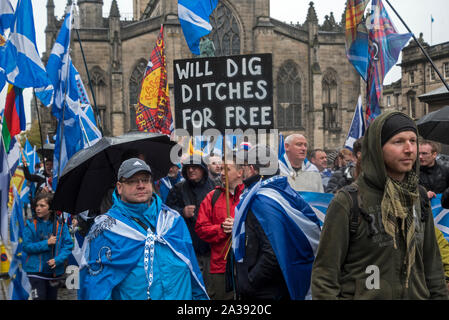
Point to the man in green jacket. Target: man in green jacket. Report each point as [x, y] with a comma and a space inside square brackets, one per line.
[393, 253]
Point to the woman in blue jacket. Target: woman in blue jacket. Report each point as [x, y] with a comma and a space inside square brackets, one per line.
[47, 243]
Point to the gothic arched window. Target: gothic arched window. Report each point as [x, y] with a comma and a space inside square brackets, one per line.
[225, 31]
[289, 115]
[134, 87]
[330, 100]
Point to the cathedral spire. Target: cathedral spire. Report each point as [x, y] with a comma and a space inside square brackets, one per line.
[114, 12]
[311, 14]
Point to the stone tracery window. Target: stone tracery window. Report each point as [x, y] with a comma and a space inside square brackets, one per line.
[99, 85]
[134, 90]
[225, 33]
[289, 111]
[330, 100]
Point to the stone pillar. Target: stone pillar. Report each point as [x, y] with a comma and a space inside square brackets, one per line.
[314, 69]
[119, 110]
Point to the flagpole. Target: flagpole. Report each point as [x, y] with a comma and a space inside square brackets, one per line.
[90, 83]
[39, 122]
[420, 46]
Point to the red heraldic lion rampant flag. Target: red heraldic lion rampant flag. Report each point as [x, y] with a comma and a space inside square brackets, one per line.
[153, 112]
[14, 115]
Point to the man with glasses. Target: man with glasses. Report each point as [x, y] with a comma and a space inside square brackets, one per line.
[433, 175]
[140, 249]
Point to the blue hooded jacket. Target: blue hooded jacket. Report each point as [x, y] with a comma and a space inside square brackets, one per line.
[115, 249]
[35, 245]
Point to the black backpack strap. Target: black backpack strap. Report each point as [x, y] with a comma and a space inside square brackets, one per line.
[356, 211]
[215, 196]
[351, 191]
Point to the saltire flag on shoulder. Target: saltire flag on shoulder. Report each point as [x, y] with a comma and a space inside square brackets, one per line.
[13, 121]
[20, 61]
[19, 287]
[194, 18]
[357, 128]
[319, 203]
[153, 113]
[384, 46]
[440, 216]
[75, 129]
[291, 226]
[357, 36]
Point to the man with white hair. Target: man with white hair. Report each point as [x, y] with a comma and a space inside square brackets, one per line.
[301, 176]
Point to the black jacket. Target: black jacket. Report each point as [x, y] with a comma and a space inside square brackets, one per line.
[340, 178]
[186, 193]
[434, 178]
[259, 276]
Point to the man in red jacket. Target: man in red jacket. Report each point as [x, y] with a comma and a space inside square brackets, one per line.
[215, 226]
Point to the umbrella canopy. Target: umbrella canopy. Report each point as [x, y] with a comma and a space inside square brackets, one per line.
[92, 171]
[435, 125]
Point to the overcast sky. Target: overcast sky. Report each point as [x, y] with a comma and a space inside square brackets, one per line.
[416, 13]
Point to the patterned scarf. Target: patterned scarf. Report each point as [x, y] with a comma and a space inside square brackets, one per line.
[397, 213]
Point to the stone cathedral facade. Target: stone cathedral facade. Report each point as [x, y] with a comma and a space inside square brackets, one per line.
[315, 87]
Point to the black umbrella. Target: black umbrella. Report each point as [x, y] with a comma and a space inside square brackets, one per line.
[435, 125]
[92, 171]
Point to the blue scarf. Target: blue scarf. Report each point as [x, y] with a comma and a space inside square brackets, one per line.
[116, 243]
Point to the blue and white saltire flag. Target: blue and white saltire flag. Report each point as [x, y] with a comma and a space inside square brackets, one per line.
[6, 19]
[358, 126]
[194, 18]
[115, 237]
[319, 203]
[30, 155]
[291, 226]
[8, 164]
[19, 287]
[440, 216]
[75, 130]
[281, 146]
[20, 61]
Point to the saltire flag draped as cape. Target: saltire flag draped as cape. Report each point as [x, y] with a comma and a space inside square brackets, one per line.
[194, 18]
[319, 202]
[20, 61]
[357, 36]
[357, 128]
[384, 46]
[153, 112]
[75, 130]
[291, 226]
[14, 116]
[19, 287]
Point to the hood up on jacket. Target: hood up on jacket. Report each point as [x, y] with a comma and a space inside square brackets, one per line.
[374, 171]
[193, 160]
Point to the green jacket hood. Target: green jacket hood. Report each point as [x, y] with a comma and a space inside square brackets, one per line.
[373, 165]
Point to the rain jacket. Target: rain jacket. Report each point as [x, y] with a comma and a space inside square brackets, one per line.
[369, 267]
[208, 225]
[35, 245]
[186, 193]
[115, 255]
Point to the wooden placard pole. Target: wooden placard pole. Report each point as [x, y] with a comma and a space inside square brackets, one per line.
[228, 211]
